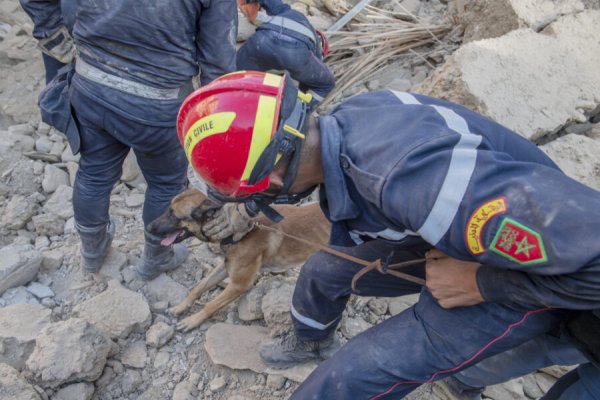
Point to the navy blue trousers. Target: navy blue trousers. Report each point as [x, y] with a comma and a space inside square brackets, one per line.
[422, 344]
[270, 50]
[106, 138]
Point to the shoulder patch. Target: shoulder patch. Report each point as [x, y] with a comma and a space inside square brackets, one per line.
[519, 243]
[478, 220]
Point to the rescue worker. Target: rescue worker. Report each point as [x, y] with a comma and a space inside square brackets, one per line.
[403, 177]
[134, 68]
[286, 40]
[54, 37]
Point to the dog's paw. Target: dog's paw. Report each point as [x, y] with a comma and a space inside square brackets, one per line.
[179, 308]
[189, 323]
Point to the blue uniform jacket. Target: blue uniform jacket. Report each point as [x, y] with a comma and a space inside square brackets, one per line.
[161, 44]
[426, 173]
[277, 7]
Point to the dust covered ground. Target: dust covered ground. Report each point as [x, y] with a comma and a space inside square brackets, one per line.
[68, 335]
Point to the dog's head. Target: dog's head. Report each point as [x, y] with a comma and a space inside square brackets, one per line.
[185, 216]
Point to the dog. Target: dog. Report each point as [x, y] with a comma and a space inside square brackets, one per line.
[185, 217]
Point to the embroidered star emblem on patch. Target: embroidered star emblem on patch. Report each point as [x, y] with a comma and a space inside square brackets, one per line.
[519, 243]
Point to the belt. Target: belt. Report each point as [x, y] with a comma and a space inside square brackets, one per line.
[292, 25]
[124, 85]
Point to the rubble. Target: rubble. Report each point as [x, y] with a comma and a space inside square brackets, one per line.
[19, 264]
[19, 326]
[68, 351]
[527, 74]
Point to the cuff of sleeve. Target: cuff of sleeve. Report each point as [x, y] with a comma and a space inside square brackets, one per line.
[491, 284]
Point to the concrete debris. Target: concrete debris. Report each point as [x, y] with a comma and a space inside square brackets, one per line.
[117, 311]
[19, 264]
[531, 65]
[68, 351]
[14, 387]
[19, 326]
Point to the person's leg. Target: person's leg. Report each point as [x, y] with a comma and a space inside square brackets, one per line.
[252, 57]
[51, 66]
[420, 345]
[320, 296]
[542, 351]
[164, 165]
[99, 169]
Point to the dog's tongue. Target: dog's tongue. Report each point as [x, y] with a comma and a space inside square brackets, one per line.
[170, 239]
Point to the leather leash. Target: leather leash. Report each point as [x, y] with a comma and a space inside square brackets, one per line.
[368, 266]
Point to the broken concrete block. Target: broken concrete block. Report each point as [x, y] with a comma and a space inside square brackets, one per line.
[578, 156]
[530, 82]
[159, 334]
[117, 311]
[19, 264]
[19, 326]
[18, 212]
[53, 178]
[77, 391]
[69, 351]
[14, 387]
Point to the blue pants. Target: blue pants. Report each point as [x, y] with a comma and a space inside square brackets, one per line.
[422, 344]
[106, 138]
[266, 50]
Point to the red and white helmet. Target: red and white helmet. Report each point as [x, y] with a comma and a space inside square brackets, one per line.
[236, 128]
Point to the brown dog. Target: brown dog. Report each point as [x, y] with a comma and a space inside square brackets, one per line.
[190, 209]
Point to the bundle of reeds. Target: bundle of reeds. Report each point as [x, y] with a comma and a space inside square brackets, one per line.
[378, 39]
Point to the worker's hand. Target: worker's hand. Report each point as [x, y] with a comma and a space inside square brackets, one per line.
[452, 282]
[59, 46]
[230, 220]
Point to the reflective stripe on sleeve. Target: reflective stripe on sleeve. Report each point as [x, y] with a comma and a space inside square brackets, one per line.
[458, 176]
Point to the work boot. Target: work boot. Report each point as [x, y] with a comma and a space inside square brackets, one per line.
[157, 258]
[95, 242]
[289, 350]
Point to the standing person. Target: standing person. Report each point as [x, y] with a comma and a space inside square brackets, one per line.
[500, 233]
[53, 34]
[135, 64]
[285, 40]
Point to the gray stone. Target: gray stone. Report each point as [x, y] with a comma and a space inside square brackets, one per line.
[249, 305]
[22, 129]
[59, 202]
[48, 224]
[511, 390]
[43, 145]
[53, 178]
[578, 156]
[276, 305]
[69, 351]
[67, 155]
[544, 381]
[351, 327]
[400, 85]
[135, 355]
[217, 384]
[184, 391]
[19, 295]
[40, 291]
[531, 388]
[235, 346]
[77, 391]
[531, 82]
[19, 326]
[18, 212]
[159, 306]
[275, 382]
[378, 306]
[131, 170]
[41, 242]
[159, 334]
[411, 7]
[18, 142]
[164, 288]
[135, 200]
[131, 381]
[114, 262]
[117, 311]
[161, 360]
[398, 304]
[557, 371]
[52, 259]
[14, 387]
[19, 264]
